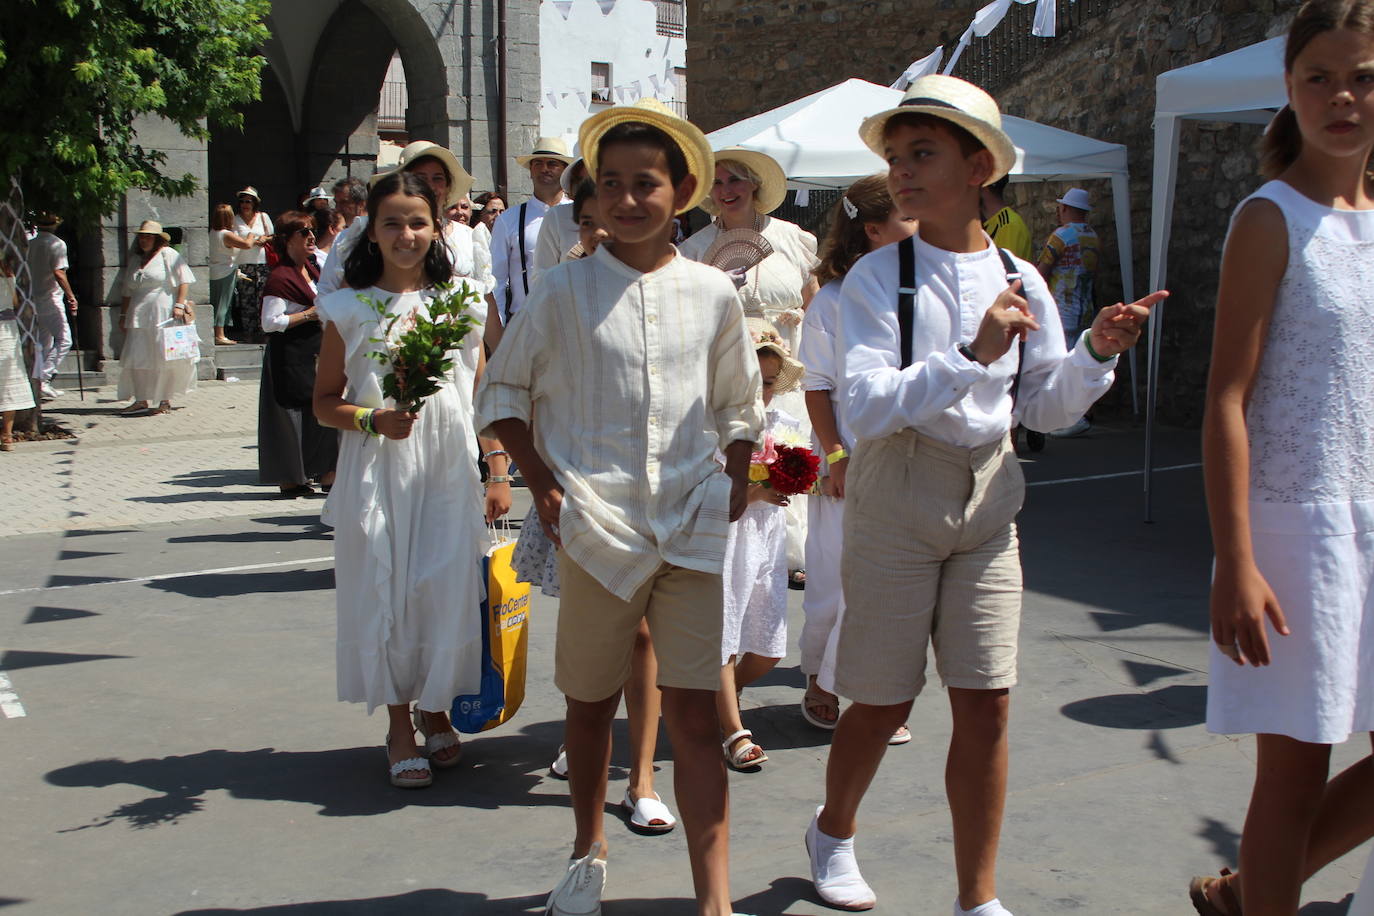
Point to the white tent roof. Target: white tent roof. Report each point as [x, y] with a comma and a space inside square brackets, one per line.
[1245, 86]
[816, 140]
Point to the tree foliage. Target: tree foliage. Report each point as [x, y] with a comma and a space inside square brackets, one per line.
[76, 74]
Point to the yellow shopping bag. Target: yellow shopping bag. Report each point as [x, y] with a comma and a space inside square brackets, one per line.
[505, 645]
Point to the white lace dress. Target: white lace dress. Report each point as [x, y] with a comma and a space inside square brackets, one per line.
[755, 576]
[1311, 431]
[408, 530]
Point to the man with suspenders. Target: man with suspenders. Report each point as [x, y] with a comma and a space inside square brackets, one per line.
[515, 232]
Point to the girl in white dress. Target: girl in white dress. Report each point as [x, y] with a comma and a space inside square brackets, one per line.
[15, 391]
[748, 186]
[863, 220]
[407, 503]
[1288, 438]
[754, 637]
[156, 279]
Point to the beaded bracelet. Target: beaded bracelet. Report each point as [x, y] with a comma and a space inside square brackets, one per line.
[494, 453]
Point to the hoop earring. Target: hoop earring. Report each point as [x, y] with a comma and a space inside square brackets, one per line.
[372, 247]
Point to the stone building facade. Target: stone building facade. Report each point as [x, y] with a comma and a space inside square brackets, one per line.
[1096, 78]
[316, 123]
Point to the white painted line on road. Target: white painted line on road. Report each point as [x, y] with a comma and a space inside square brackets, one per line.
[164, 576]
[9, 700]
[1046, 483]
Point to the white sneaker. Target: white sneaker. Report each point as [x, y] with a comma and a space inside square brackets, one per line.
[1077, 429]
[48, 392]
[835, 871]
[992, 908]
[559, 768]
[579, 892]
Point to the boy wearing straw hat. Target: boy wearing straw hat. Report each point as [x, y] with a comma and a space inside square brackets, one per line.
[936, 375]
[638, 365]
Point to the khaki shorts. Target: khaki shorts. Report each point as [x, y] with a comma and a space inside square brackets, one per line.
[931, 556]
[596, 630]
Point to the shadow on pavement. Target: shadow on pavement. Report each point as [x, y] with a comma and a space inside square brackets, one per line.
[1317, 908]
[1176, 706]
[173, 498]
[15, 659]
[347, 782]
[236, 477]
[232, 585]
[317, 533]
[435, 900]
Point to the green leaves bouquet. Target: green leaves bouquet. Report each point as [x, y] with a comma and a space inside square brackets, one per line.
[416, 347]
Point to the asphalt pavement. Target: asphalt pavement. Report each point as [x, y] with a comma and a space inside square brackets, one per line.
[170, 740]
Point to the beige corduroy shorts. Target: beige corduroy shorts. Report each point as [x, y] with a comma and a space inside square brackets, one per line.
[931, 557]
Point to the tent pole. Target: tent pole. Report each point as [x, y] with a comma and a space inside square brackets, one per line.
[1121, 206]
[1161, 216]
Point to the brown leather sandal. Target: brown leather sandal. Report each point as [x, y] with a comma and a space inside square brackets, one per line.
[1197, 892]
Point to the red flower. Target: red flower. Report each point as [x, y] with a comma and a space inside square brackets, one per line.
[794, 471]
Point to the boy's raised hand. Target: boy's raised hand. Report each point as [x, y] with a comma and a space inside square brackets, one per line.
[1007, 319]
[1117, 327]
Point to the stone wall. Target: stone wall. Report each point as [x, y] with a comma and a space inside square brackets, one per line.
[1097, 79]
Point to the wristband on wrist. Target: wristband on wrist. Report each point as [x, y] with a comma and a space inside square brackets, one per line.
[1088, 342]
[499, 478]
[494, 453]
[967, 353]
[836, 456]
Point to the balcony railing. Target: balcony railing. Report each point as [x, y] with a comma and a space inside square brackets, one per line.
[672, 17]
[997, 60]
[391, 112]
[678, 106]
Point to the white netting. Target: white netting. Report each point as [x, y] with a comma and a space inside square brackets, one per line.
[14, 247]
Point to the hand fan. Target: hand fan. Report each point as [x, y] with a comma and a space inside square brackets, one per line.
[737, 248]
[575, 252]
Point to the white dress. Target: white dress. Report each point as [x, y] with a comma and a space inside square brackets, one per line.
[144, 373]
[773, 287]
[755, 577]
[15, 393]
[1311, 429]
[408, 530]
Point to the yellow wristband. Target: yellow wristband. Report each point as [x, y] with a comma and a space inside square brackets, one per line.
[358, 418]
[836, 456]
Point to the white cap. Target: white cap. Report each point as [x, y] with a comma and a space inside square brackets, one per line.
[1077, 198]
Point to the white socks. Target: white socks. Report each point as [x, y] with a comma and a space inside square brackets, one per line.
[835, 871]
[992, 908]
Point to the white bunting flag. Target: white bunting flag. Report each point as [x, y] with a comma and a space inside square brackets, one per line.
[923, 67]
[583, 100]
[564, 8]
[802, 197]
[606, 6]
[1045, 19]
[636, 90]
[657, 84]
[553, 99]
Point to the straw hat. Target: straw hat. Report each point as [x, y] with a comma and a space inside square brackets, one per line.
[1076, 198]
[319, 194]
[566, 178]
[766, 337]
[249, 191]
[954, 100]
[547, 148]
[47, 220]
[152, 227]
[695, 148]
[772, 190]
[459, 181]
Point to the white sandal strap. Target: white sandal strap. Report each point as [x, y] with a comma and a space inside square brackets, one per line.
[648, 809]
[742, 733]
[410, 763]
[436, 743]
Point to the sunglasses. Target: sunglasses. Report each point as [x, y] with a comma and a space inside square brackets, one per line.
[310, 232]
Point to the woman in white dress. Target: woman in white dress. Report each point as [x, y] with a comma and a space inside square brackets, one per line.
[407, 504]
[252, 264]
[225, 245]
[15, 391]
[1287, 439]
[748, 186]
[154, 296]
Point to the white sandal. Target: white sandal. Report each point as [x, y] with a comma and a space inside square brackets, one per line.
[739, 758]
[646, 810]
[437, 742]
[409, 765]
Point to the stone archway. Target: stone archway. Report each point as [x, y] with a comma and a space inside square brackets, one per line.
[262, 154]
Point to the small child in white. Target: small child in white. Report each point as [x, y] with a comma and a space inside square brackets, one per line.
[754, 637]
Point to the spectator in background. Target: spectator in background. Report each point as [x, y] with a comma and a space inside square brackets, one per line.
[252, 264]
[156, 280]
[317, 199]
[15, 393]
[514, 235]
[48, 276]
[225, 245]
[1069, 265]
[328, 225]
[487, 207]
[1005, 225]
[293, 448]
[350, 198]
[461, 212]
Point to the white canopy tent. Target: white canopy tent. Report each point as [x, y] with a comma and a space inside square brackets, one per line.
[1244, 86]
[816, 141]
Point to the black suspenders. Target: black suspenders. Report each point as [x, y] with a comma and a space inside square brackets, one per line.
[524, 267]
[906, 303]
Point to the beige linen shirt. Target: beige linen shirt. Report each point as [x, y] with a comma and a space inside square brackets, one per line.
[637, 380]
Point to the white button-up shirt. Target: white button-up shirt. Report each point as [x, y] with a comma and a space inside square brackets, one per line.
[558, 232]
[505, 255]
[943, 394]
[636, 380]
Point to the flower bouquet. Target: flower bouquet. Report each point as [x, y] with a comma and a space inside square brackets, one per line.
[787, 467]
[415, 348]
